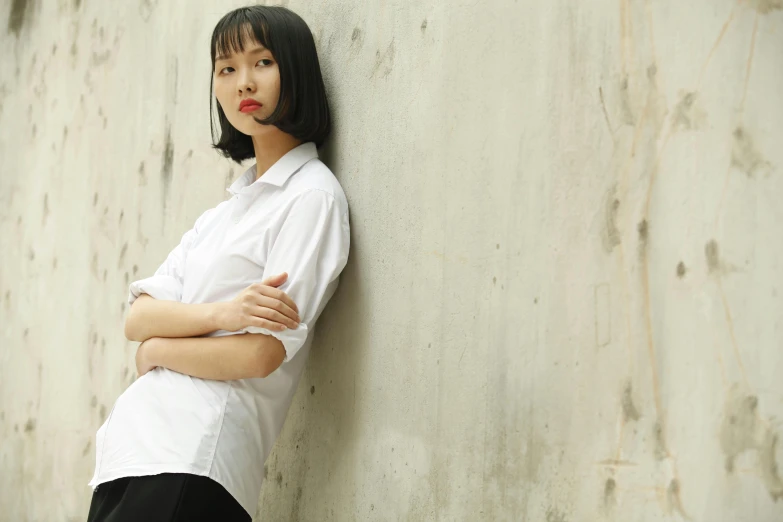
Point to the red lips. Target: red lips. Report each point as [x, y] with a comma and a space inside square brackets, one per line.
[249, 105]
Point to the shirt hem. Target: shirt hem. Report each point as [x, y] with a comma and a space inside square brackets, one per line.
[249, 506]
[136, 471]
[167, 468]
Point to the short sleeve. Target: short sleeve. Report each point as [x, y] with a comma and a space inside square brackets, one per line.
[312, 247]
[167, 281]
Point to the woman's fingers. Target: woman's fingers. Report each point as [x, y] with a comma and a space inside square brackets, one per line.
[277, 304]
[273, 315]
[275, 280]
[265, 323]
[277, 294]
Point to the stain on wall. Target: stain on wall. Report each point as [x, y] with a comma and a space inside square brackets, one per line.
[166, 171]
[688, 115]
[630, 413]
[681, 270]
[712, 256]
[743, 430]
[744, 154]
[610, 494]
[147, 8]
[611, 235]
[626, 111]
[659, 442]
[770, 472]
[643, 231]
[766, 6]
[19, 15]
[674, 500]
[384, 62]
[553, 514]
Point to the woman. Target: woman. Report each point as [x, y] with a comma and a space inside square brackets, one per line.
[188, 439]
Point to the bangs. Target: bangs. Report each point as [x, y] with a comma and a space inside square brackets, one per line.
[237, 30]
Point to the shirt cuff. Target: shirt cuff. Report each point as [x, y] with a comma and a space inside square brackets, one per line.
[292, 340]
[162, 287]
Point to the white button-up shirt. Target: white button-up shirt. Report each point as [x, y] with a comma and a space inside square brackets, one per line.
[293, 219]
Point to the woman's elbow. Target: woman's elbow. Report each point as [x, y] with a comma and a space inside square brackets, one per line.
[269, 356]
[132, 330]
[261, 368]
[133, 322]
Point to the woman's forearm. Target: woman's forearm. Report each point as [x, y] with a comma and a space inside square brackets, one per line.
[223, 358]
[151, 317]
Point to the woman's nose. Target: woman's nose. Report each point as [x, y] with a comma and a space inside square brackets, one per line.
[245, 83]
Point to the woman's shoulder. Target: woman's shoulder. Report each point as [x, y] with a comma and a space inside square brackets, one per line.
[315, 175]
[206, 216]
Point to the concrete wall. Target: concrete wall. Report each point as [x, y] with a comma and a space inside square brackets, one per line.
[563, 301]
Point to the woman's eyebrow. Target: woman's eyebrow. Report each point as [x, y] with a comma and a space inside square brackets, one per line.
[251, 51]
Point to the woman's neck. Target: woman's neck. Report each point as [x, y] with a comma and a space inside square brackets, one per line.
[270, 147]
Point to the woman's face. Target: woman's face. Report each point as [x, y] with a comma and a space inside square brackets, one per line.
[251, 75]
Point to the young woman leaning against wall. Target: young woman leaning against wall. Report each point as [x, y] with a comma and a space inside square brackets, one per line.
[226, 322]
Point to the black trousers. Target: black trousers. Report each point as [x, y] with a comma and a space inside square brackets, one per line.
[168, 497]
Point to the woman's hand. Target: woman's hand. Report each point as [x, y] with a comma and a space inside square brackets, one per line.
[143, 356]
[260, 304]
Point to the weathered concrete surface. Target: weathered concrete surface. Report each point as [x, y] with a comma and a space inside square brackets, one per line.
[563, 301]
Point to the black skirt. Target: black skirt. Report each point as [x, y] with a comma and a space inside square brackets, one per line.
[168, 497]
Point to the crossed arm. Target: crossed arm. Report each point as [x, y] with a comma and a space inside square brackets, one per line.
[169, 334]
[312, 243]
[219, 358]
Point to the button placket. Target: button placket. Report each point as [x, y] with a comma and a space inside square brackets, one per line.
[239, 210]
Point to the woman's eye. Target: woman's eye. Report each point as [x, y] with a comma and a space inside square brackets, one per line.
[265, 61]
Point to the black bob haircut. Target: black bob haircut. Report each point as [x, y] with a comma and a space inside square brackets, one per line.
[302, 109]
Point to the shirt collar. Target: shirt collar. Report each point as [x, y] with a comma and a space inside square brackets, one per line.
[278, 173]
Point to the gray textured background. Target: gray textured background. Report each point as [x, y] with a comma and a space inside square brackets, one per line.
[563, 298]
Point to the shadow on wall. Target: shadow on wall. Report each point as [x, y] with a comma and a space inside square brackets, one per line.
[315, 448]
